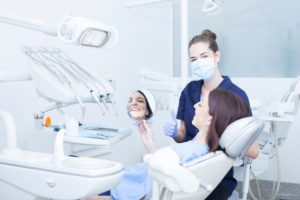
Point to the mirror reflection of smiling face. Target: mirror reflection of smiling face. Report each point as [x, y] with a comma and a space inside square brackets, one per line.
[137, 106]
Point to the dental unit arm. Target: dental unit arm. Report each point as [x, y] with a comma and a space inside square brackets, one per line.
[60, 80]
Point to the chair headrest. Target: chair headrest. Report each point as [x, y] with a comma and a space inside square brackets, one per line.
[240, 135]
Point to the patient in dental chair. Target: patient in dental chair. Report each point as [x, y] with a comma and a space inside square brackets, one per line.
[212, 115]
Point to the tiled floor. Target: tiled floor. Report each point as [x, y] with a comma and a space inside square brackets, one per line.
[287, 191]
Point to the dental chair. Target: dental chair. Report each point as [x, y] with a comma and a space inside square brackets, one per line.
[210, 168]
[30, 175]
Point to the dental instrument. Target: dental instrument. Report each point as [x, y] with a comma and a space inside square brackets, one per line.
[84, 77]
[101, 132]
[90, 81]
[51, 175]
[65, 81]
[39, 57]
[98, 87]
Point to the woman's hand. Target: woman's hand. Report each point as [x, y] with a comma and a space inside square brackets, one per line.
[146, 133]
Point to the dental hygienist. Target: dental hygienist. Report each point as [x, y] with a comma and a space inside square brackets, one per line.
[204, 56]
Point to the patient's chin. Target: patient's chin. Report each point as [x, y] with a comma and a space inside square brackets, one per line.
[137, 115]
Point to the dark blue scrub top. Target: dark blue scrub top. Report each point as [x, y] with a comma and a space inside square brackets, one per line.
[190, 96]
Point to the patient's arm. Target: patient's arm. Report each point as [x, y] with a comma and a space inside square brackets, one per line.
[253, 151]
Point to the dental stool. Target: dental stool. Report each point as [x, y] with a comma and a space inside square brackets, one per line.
[29, 175]
[210, 168]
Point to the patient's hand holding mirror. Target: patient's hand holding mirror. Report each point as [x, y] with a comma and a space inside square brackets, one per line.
[141, 105]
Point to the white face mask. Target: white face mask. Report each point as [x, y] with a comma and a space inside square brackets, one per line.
[203, 68]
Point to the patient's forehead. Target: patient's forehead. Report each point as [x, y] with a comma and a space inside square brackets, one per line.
[137, 94]
[137, 97]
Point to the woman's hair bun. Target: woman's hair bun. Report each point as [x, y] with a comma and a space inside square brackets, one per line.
[209, 33]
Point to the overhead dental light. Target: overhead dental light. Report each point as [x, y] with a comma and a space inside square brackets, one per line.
[87, 32]
[71, 29]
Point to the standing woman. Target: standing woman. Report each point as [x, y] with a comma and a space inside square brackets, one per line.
[205, 57]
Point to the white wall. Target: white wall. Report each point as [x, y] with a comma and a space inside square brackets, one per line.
[145, 40]
[271, 90]
[256, 38]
